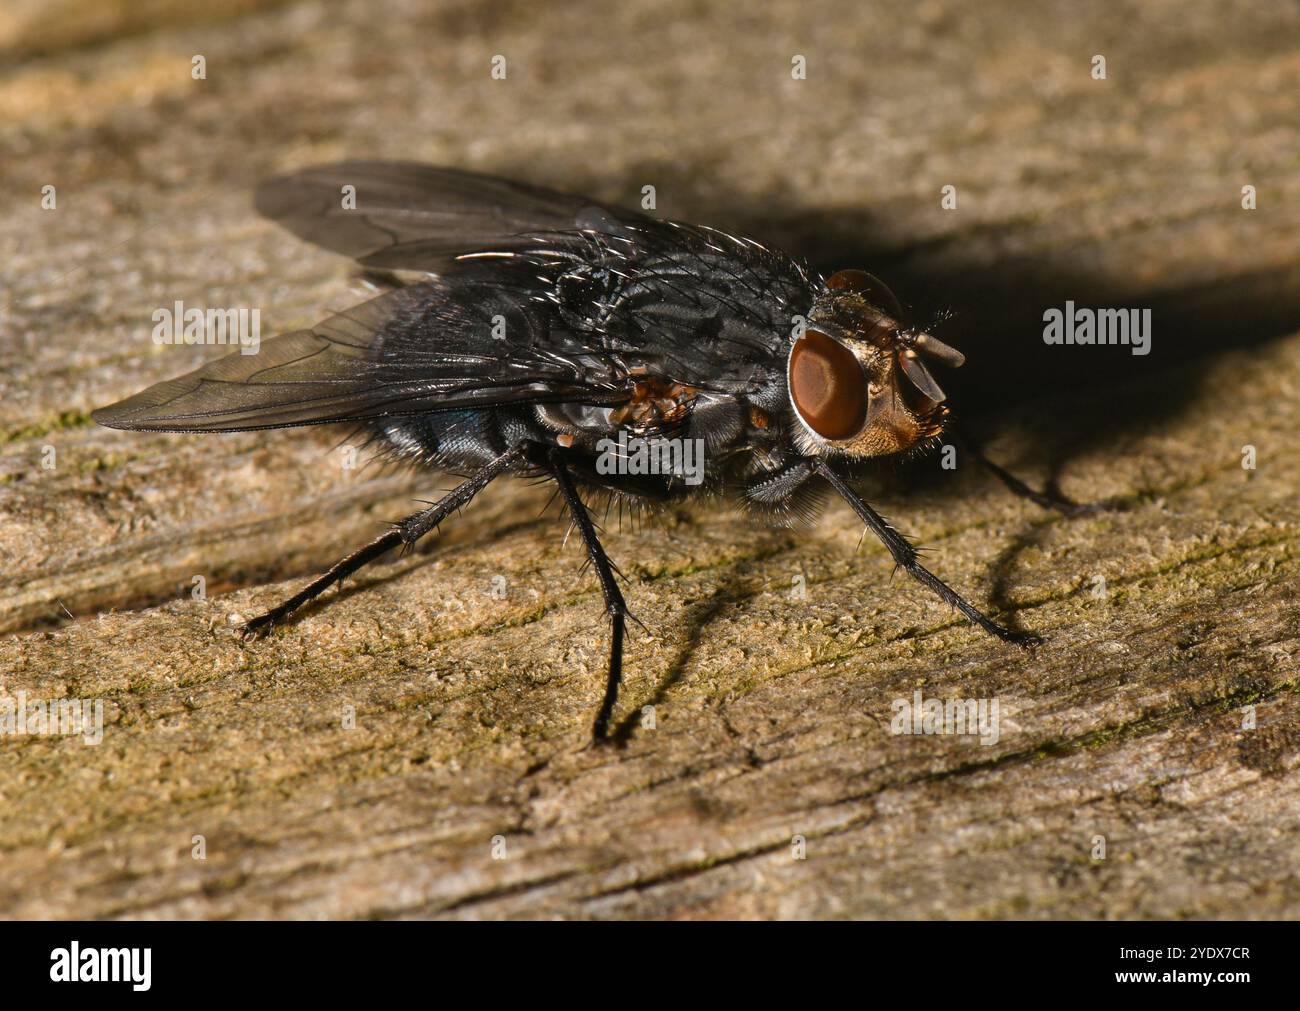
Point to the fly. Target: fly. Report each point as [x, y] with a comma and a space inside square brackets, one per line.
[530, 331]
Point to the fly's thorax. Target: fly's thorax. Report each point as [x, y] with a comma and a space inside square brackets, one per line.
[855, 378]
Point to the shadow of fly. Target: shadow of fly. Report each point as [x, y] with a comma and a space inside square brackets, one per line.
[525, 332]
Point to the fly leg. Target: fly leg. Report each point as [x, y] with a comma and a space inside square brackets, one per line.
[1043, 499]
[615, 606]
[405, 533]
[905, 555]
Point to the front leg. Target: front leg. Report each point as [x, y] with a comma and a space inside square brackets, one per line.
[905, 555]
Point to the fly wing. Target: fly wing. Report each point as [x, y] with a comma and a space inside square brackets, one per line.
[408, 216]
[424, 347]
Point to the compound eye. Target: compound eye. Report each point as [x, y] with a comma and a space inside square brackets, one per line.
[827, 386]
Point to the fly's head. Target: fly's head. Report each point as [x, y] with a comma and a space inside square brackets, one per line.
[857, 380]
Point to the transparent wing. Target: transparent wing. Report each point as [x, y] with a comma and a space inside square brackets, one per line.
[407, 216]
[421, 348]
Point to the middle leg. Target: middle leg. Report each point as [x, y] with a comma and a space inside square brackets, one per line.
[615, 606]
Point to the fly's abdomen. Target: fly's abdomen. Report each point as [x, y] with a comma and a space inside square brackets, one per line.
[456, 441]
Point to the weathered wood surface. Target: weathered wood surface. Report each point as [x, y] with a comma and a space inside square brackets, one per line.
[773, 713]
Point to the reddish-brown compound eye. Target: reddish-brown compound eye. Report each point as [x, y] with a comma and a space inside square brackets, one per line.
[827, 386]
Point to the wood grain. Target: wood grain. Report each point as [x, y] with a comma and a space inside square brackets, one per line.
[1160, 715]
